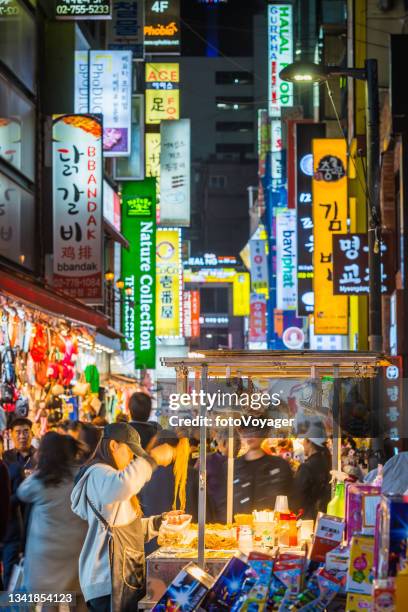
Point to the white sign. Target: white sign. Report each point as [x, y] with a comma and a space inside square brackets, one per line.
[293, 338]
[77, 206]
[259, 266]
[280, 54]
[103, 85]
[125, 30]
[319, 342]
[111, 206]
[286, 259]
[175, 172]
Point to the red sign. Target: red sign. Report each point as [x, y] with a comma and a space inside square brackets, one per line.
[195, 314]
[257, 318]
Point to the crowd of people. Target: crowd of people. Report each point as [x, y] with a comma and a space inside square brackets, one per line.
[84, 503]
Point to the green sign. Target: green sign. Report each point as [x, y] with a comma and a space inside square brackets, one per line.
[139, 270]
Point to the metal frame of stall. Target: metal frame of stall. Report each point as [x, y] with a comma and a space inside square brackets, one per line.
[264, 364]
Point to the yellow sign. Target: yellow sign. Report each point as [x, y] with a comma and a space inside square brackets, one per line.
[162, 105]
[169, 283]
[162, 73]
[152, 153]
[329, 217]
[241, 288]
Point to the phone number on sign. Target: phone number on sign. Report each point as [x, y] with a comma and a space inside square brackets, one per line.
[27, 599]
[63, 9]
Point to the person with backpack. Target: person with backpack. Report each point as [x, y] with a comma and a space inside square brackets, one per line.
[111, 563]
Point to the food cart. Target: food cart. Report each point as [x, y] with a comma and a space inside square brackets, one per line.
[313, 365]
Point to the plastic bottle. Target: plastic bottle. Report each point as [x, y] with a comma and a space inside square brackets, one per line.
[337, 505]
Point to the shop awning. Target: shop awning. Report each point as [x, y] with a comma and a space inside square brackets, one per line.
[42, 297]
[114, 233]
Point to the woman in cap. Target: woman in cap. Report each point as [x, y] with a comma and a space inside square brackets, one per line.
[312, 480]
[111, 564]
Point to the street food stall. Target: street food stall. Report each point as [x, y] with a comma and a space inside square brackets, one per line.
[213, 546]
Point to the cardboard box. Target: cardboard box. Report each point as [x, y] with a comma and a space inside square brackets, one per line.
[356, 602]
[329, 534]
[355, 493]
[360, 572]
[392, 534]
[186, 592]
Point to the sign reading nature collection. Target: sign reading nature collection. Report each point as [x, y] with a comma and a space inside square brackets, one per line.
[139, 270]
[77, 206]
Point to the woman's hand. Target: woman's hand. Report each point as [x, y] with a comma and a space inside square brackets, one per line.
[163, 454]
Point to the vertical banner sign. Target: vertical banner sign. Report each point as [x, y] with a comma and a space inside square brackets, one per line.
[280, 54]
[125, 30]
[175, 172]
[81, 94]
[304, 135]
[259, 265]
[132, 168]
[264, 140]
[152, 154]
[162, 92]
[187, 314]
[286, 294]
[139, 270]
[162, 27]
[241, 294]
[329, 218]
[257, 318]
[392, 401]
[77, 172]
[195, 313]
[169, 283]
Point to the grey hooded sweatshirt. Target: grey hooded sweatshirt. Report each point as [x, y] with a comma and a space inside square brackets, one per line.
[110, 491]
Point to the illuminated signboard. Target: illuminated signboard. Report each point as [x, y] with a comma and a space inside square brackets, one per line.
[162, 96]
[280, 54]
[258, 265]
[329, 218]
[132, 168]
[103, 84]
[139, 270]
[77, 171]
[162, 27]
[152, 154]
[304, 134]
[169, 283]
[83, 9]
[286, 294]
[175, 172]
[125, 30]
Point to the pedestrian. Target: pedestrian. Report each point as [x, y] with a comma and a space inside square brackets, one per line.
[55, 534]
[20, 461]
[259, 478]
[90, 436]
[5, 496]
[312, 491]
[217, 476]
[140, 408]
[111, 563]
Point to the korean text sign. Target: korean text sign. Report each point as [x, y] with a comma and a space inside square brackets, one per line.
[286, 294]
[175, 172]
[257, 318]
[169, 283]
[139, 270]
[77, 206]
[103, 84]
[280, 54]
[125, 31]
[162, 94]
[329, 218]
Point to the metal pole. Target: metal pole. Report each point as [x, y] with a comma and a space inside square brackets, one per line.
[336, 456]
[373, 180]
[230, 474]
[202, 478]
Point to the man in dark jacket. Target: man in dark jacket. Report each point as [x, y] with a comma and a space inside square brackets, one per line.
[20, 461]
[5, 495]
[259, 478]
[140, 408]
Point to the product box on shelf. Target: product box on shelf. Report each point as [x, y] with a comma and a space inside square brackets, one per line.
[392, 534]
[361, 503]
[329, 534]
[320, 591]
[255, 599]
[229, 585]
[384, 596]
[360, 573]
[337, 564]
[186, 592]
[357, 602]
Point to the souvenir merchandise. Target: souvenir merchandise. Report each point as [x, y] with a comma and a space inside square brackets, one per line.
[227, 587]
[328, 535]
[392, 535]
[355, 494]
[384, 595]
[357, 602]
[337, 564]
[186, 592]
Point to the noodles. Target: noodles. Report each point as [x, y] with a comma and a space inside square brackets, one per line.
[180, 470]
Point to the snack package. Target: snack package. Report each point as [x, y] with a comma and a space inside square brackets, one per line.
[321, 589]
[384, 595]
[329, 534]
[337, 564]
[289, 569]
[360, 572]
[192, 580]
[256, 598]
[357, 602]
[355, 493]
[176, 523]
[228, 587]
[392, 536]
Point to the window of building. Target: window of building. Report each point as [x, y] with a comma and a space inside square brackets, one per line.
[17, 129]
[16, 223]
[234, 102]
[234, 78]
[234, 126]
[217, 182]
[18, 44]
[214, 300]
[238, 147]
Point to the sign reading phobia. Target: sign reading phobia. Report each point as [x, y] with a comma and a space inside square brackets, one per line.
[162, 27]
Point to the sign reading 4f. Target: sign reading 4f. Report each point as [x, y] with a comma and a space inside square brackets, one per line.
[160, 7]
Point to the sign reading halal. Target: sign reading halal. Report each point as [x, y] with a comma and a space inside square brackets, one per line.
[350, 265]
[83, 9]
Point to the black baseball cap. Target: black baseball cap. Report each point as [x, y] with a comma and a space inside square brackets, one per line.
[125, 433]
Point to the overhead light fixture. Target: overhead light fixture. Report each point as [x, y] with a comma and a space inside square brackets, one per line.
[120, 283]
[109, 276]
